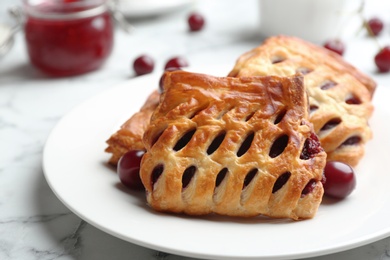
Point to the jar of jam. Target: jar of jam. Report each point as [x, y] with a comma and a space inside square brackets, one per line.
[68, 37]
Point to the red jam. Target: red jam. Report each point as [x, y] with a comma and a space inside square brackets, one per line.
[68, 37]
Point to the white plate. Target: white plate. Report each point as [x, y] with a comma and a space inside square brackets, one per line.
[75, 168]
[145, 8]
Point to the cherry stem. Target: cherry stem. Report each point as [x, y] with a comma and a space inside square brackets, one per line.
[367, 26]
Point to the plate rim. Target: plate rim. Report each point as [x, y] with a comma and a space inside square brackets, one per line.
[341, 247]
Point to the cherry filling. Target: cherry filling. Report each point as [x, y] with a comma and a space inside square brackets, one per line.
[303, 70]
[278, 146]
[311, 147]
[188, 174]
[331, 124]
[246, 144]
[184, 140]
[249, 177]
[353, 100]
[277, 59]
[309, 187]
[156, 173]
[220, 176]
[335, 45]
[249, 117]
[216, 143]
[313, 108]
[327, 85]
[353, 140]
[282, 179]
[280, 117]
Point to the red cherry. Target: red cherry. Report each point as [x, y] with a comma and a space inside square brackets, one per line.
[196, 22]
[376, 25]
[310, 186]
[382, 59]
[340, 179]
[144, 64]
[128, 169]
[336, 46]
[176, 62]
[311, 147]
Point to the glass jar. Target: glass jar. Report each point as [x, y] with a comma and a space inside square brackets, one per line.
[68, 37]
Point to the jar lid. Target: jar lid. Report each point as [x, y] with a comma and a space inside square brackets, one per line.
[64, 9]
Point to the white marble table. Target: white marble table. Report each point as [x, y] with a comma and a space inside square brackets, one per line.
[34, 224]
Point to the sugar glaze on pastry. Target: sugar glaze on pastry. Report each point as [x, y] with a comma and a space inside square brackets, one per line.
[233, 146]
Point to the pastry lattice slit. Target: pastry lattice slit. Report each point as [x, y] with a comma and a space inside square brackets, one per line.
[247, 136]
[217, 141]
[335, 88]
[349, 99]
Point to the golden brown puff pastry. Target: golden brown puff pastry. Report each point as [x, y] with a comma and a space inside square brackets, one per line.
[129, 136]
[339, 94]
[233, 146]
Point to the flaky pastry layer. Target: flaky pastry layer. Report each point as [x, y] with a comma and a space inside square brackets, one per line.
[232, 146]
[129, 136]
[339, 94]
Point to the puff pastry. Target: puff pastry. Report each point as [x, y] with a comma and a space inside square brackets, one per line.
[339, 94]
[233, 146]
[129, 136]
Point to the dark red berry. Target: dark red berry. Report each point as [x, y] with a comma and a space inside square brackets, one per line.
[336, 46]
[340, 179]
[310, 186]
[382, 59]
[352, 140]
[353, 100]
[376, 25]
[176, 62]
[144, 64]
[128, 169]
[311, 147]
[196, 22]
[280, 181]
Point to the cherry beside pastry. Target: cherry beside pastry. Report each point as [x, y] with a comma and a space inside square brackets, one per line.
[233, 146]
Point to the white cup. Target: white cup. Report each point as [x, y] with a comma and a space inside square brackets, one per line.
[312, 20]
